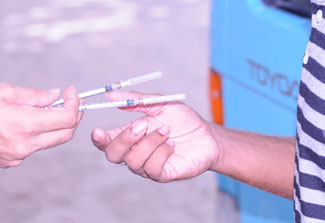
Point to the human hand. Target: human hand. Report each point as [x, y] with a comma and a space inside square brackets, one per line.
[26, 127]
[171, 142]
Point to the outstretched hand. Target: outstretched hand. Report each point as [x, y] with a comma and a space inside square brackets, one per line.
[171, 142]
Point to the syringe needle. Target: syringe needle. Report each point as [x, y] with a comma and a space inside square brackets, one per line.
[116, 86]
[162, 99]
[141, 79]
[133, 102]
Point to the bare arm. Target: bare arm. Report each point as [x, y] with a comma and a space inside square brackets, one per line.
[172, 142]
[264, 162]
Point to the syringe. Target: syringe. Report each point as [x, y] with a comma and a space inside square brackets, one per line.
[133, 102]
[116, 86]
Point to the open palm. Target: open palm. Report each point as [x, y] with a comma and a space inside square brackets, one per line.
[195, 148]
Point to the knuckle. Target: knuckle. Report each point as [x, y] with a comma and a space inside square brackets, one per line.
[15, 163]
[163, 181]
[21, 155]
[19, 152]
[155, 138]
[133, 164]
[68, 136]
[124, 137]
[113, 158]
[152, 172]
[72, 120]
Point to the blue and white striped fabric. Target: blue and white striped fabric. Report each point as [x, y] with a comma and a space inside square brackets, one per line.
[309, 182]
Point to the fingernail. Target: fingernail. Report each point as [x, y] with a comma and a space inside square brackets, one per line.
[140, 127]
[54, 91]
[96, 138]
[170, 143]
[164, 130]
[98, 135]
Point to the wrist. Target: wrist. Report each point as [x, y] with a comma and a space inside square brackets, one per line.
[225, 162]
[216, 132]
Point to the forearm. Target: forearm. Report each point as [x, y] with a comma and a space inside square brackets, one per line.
[265, 162]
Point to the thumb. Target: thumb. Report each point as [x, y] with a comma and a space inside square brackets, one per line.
[71, 100]
[150, 110]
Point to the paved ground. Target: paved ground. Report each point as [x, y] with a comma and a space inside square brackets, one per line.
[88, 43]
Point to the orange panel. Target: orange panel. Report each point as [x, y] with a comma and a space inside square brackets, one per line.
[216, 97]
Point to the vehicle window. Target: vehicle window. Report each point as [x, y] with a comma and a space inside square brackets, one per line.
[299, 7]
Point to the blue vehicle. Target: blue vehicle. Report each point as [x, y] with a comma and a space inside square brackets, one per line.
[257, 49]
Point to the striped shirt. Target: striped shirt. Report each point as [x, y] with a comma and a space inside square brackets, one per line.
[309, 183]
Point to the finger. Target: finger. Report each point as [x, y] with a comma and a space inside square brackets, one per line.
[28, 96]
[81, 114]
[51, 139]
[79, 117]
[71, 105]
[9, 163]
[150, 110]
[100, 139]
[123, 95]
[82, 101]
[154, 166]
[116, 150]
[4, 165]
[137, 157]
[54, 138]
[39, 120]
[33, 121]
[71, 100]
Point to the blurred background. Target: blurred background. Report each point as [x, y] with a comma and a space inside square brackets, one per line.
[89, 43]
